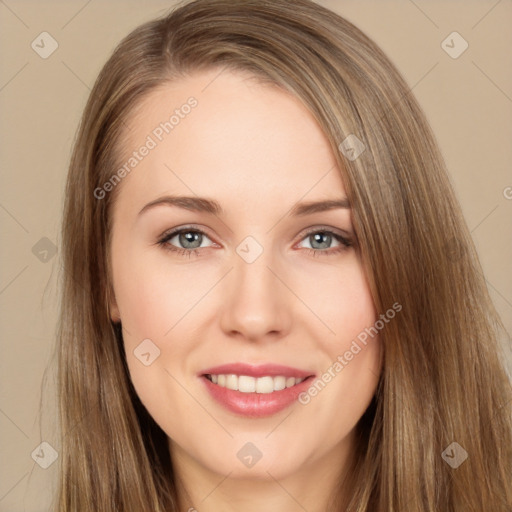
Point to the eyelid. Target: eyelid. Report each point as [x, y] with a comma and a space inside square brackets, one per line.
[345, 239]
[187, 227]
[346, 235]
[302, 234]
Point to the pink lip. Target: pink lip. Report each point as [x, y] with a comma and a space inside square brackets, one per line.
[272, 370]
[256, 405]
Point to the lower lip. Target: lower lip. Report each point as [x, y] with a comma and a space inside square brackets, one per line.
[256, 405]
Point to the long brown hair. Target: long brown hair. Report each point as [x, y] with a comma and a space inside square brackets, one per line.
[442, 379]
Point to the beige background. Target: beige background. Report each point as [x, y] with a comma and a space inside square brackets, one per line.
[468, 101]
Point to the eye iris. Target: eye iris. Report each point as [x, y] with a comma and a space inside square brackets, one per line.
[190, 237]
[317, 237]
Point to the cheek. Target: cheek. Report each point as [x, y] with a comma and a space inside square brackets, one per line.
[342, 300]
[153, 295]
[353, 350]
[156, 302]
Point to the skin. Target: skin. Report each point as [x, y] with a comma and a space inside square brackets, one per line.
[257, 151]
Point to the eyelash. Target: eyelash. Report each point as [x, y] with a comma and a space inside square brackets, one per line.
[345, 242]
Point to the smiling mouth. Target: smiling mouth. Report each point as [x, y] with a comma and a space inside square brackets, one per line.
[248, 384]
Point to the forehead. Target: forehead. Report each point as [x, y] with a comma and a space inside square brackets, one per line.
[224, 135]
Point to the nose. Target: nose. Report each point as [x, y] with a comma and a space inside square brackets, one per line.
[257, 304]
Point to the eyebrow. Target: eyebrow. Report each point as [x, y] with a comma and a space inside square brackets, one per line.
[197, 204]
[202, 204]
[319, 206]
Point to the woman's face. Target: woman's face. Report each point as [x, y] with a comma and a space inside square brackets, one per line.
[259, 279]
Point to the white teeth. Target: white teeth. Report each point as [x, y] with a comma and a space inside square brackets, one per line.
[279, 383]
[265, 385]
[247, 384]
[232, 382]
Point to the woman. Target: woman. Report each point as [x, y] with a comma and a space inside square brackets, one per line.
[262, 307]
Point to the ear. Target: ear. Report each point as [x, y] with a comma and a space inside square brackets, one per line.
[114, 312]
[112, 307]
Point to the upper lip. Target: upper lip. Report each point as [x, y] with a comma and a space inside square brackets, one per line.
[261, 370]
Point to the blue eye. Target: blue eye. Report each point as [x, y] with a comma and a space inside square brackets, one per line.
[191, 239]
[320, 242]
